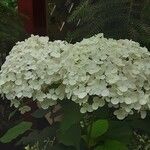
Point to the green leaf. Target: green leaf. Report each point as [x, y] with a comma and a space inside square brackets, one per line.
[99, 127]
[14, 132]
[114, 145]
[71, 137]
[71, 115]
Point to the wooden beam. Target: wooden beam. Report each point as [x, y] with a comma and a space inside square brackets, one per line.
[34, 14]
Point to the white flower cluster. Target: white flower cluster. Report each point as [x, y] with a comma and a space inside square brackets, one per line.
[92, 73]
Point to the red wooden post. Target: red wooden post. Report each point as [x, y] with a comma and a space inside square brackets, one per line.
[34, 14]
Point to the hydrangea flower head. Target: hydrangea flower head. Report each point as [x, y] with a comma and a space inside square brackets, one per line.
[94, 72]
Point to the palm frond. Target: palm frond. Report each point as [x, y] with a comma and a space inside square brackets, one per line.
[115, 18]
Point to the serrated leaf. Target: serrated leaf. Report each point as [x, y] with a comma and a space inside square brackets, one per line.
[14, 132]
[99, 127]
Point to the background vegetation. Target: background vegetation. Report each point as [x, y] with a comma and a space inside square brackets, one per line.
[115, 18]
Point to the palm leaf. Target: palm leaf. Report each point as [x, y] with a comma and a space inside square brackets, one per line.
[115, 18]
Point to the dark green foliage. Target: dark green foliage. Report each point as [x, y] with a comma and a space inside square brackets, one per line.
[121, 131]
[71, 136]
[10, 3]
[85, 132]
[115, 18]
[11, 29]
[71, 115]
[70, 132]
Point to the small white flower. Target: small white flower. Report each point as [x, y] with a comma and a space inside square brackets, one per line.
[82, 95]
[105, 92]
[143, 114]
[24, 109]
[115, 101]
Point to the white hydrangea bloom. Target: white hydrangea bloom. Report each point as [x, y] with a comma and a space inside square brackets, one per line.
[24, 109]
[93, 73]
